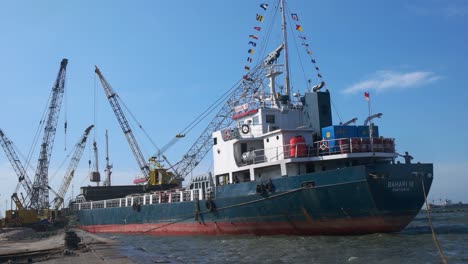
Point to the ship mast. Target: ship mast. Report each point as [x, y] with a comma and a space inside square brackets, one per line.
[108, 169]
[285, 43]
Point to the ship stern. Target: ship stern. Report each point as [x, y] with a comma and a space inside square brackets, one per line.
[399, 191]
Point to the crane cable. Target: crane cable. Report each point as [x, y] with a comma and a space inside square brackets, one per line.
[302, 66]
[65, 116]
[225, 95]
[38, 133]
[209, 110]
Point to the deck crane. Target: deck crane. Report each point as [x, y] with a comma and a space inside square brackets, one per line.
[23, 178]
[77, 153]
[113, 98]
[40, 192]
[248, 87]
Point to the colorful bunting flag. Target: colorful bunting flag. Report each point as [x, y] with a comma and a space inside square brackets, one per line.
[251, 51]
[367, 96]
[305, 44]
[253, 36]
[247, 68]
[249, 59]
[294, 17]
[313, 61]
[260, 18]
[252, 43]
[317, 68]
[264, 6]
[257, 28]
[309, 52]
[302, 37]
[319, 75]
[299, 28]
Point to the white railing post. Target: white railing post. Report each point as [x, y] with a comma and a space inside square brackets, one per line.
[181, 196]
[151, 198]
[191, 195]
[120, 202]
[159, 197]
[105, 203]
[144, 199]
[79, 206]
[91, 205]
[131, 201]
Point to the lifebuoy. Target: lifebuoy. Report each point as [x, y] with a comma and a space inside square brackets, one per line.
[323, 145]
[245, 129]
[209, 204]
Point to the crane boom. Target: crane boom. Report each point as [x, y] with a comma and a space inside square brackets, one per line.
[114, 102]
[40, 192]
[23, 178]
[79, 148]
[243, 93]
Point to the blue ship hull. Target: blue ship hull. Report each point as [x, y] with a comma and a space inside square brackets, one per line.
[353, 200]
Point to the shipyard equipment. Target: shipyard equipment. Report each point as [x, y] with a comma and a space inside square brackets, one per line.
[95, 176]
[113, 98]
[108, 169]
[77, 153]
[155, 175]
[241, 94]
[23, 178]
[40, 192]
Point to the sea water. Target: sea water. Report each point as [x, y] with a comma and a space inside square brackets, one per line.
[413, 245]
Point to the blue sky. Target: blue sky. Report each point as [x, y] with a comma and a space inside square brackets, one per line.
[169, 60]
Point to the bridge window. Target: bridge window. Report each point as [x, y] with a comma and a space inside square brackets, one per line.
[270, 119]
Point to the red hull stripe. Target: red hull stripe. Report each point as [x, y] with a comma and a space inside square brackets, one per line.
[311, 227]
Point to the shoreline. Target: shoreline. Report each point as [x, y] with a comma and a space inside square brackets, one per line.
[23, 245]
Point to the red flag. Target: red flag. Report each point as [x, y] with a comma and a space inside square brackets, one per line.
[367, 96]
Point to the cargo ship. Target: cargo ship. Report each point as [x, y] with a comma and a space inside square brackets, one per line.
[280, 167]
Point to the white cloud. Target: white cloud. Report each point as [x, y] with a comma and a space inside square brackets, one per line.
[385, 80]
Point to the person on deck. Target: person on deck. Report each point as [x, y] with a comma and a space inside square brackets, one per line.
[407, 157]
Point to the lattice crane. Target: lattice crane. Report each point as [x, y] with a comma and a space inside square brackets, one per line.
[40, 191]
[77, 153]
[113, 98]
[23, 178]
[248, 87]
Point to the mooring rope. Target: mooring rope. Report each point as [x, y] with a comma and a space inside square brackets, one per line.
[227, 207]
[434, 238]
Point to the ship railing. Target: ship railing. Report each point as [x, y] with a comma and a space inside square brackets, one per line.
[319, 148]
[159, 197]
